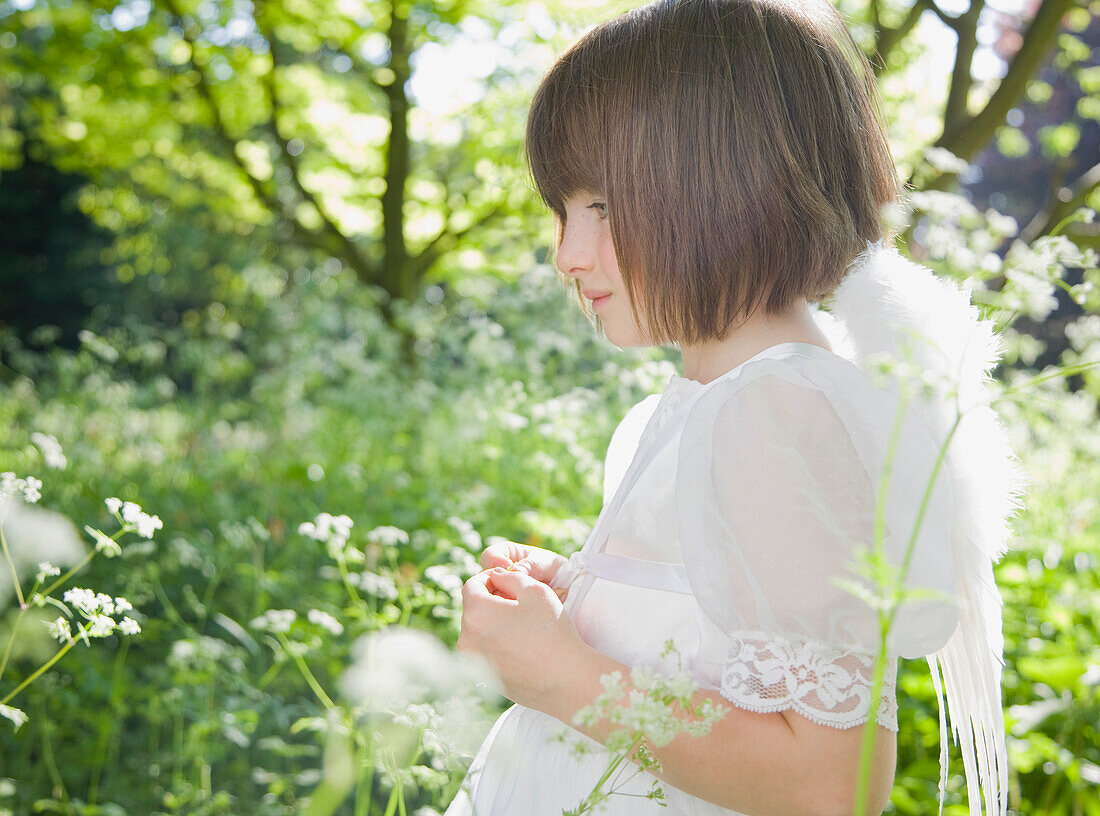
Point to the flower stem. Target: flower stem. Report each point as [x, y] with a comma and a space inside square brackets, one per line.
[48, 590]
[11, 640]
[310, 679]
[11, 565]
[45, 666]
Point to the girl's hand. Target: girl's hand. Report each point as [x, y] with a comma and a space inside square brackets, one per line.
[519, 625]
[540, 564]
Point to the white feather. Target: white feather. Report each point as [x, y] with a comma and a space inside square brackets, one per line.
[890, 306]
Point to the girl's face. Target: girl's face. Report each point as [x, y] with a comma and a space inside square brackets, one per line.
[587, 253]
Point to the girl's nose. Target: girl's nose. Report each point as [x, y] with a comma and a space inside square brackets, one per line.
[573, 256]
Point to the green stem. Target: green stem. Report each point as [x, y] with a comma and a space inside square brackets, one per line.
[363, 798]
[391, 805]
[44, 667]
[310, 679]
[11, 639]
[49, 590]
[11, 565]
[1061, 371]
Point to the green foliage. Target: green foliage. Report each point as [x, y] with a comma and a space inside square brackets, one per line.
[252, 383]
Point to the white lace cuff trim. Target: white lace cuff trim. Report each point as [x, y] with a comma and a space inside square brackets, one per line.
[829, 685]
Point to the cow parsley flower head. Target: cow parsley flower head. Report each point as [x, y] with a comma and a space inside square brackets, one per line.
[333, 531]
[51, 451]
[325, 621]
[275, 620]
[29, 489]
[134, 518]
[46, 570]
[83, 600]
[388, 536]
[59, 629]
[101, 626]
[129, 626]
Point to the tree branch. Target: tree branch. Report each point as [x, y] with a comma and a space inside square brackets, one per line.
[446, 239]
[967, 137]
[886, 39]
[956, 110]
[221, 131]
[948, 20]
[1058, 208]
[351, 252]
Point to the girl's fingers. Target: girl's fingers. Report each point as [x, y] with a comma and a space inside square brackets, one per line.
[502, 554]
[490, 559]
[511, 584]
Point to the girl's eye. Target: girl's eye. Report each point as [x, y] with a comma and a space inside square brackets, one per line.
[600, 207]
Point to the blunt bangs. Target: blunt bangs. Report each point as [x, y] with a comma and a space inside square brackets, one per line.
[565, 133]
[741, 149]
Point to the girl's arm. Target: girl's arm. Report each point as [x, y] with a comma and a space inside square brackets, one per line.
[778, 764]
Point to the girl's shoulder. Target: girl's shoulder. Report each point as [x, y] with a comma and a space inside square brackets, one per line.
[624, 442]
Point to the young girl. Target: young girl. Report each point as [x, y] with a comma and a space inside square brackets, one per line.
[715, 167]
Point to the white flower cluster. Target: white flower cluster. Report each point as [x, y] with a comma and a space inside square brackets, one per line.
[471, 539]
[29, 489]
[133, 518]
[46, 570]
[656, 709]
[98, 611]
[388, 536]
[52, 454]
[445, 578]
[378, 585]
[277, 621]
[325, 621]
[332, 531]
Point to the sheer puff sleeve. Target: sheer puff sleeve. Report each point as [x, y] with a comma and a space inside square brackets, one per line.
[775, 499]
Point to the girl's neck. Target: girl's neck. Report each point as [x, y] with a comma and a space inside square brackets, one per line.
[705, 361]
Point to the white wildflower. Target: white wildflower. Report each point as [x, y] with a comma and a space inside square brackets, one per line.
[333, 531]
[105, 603]
[17, 716]
[275, 620]
[101, 626]
[445, 578]
[104, 543]
[122, 605]
[399, 666]
[379, 585]
[130, 512]
[129, 626]
[134, 518]
[388, 536]
[471, 539]
[59, 629]
[147, 525]
[29, 489]
[325, 621]
[84, 600]
[51, 451]
[418, 716]
[46, 570]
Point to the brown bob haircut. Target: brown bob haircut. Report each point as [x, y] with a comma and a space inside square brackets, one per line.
[739, 145]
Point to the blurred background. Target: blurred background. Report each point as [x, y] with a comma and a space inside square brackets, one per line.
[261, 261]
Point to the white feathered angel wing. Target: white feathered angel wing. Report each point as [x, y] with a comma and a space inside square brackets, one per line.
[888, 306]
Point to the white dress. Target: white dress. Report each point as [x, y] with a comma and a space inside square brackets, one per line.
[731, 509]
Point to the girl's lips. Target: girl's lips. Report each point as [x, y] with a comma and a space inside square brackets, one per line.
[597, 303]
